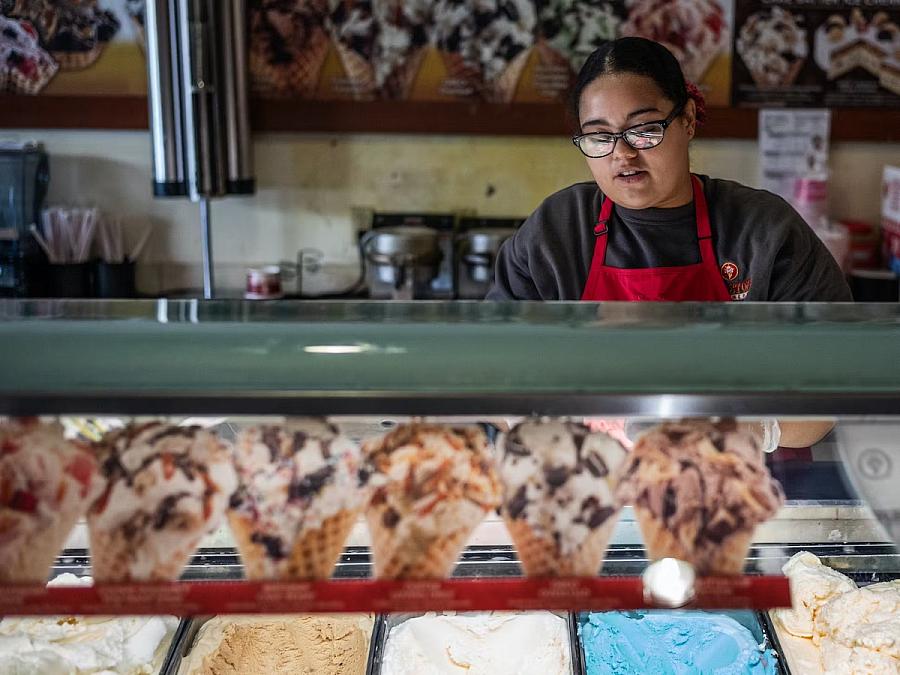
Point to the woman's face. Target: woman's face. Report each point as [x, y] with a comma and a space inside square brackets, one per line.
[614, 103]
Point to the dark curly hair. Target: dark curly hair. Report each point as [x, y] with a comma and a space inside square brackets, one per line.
[637, 56]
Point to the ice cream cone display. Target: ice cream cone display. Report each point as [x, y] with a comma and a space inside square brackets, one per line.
[427, 487]
[288, 46]
[25, 66]
[559, 495]
[485, 48]
[82, 32]
[403, 34]
[699, 490]
[570, 30]
[166, 487]
[773, 46]
[46, 484]
[354, 31]
[297, 498]
[695, 31]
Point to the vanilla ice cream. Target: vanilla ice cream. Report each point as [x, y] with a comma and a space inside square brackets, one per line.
[859, 632]
[496, 643]
[836, 628]
[320, 644]
[70, 645]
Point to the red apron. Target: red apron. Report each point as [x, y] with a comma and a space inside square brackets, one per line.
[699, 282]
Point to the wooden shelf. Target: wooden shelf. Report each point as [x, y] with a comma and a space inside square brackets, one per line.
[538, 119]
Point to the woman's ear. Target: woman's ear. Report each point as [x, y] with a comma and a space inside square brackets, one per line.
[690, 117]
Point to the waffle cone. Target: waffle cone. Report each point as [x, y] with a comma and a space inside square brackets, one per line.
[113, 557]
[420, 555]
[33, 556]
[359, 72]
[313, 555]
[78, 60]
[541, 557]
[465, 77]
[549, 56]
[399, 84]
[300, 77]
[13, 82]
[503, 89]
[727, 557]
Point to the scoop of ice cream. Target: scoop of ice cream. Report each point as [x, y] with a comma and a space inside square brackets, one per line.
[165, 486]
[292, 477]
[703, 480]
[487, 34]
[498, 643]
[859, 631]
[693, 30]
[44, 480]
[576, 28]
[626, 643]
[812, 585]
[414, 471]
[770, 43]
[560, 478]
[321, 644]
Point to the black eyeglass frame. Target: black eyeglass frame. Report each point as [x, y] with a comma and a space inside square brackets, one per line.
[665, 124]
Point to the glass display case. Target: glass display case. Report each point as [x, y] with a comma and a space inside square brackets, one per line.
[372, 368]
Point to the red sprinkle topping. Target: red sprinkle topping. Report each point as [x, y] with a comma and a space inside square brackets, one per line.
[23, 501]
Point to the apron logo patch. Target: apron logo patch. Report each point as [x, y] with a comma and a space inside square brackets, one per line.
[730, 271]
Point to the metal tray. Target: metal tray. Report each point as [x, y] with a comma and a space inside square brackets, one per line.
[385, 622]
[753, 621]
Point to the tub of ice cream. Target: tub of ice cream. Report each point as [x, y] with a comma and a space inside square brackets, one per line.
[274, 644]
[682, 641]
[45, 645]
[474, 643]
[850, 621]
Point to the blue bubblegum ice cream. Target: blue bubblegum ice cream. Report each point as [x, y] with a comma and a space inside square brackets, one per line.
[670, 643]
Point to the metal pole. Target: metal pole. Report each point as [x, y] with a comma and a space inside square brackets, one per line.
[206, 243]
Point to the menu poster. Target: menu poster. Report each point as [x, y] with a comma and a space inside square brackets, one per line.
[817, 53]
[72, 48]
[504, 51]
[793, 145]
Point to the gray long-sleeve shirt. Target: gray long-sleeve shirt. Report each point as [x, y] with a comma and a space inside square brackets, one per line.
[774, 255]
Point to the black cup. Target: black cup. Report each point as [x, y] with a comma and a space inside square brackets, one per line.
[875, 286]
[114, 280]
[70, 280]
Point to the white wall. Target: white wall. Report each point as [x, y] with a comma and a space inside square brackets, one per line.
[309, 187]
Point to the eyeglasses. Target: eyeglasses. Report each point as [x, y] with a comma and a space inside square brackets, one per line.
[640, 137]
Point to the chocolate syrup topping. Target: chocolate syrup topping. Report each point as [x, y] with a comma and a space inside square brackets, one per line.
[516, 505]
[311, 484]
[273, 545]
[166, 509]
[390, 518]
[271, 438]
[170, 431]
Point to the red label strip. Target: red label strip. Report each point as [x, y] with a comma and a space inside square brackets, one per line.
[249, 597]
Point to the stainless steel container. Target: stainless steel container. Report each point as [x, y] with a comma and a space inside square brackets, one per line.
[401, 261]
[476, 254]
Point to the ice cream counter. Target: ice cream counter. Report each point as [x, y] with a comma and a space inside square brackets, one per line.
[388, 488]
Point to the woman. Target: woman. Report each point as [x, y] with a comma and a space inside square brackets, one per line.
[647, 229]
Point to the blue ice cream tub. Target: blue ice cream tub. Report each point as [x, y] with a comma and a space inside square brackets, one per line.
[682, 642]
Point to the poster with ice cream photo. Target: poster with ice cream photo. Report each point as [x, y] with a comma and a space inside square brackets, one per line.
[817, 53]
[72, 48]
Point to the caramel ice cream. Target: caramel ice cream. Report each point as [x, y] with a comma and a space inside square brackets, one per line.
[699, 490]
[306, 644]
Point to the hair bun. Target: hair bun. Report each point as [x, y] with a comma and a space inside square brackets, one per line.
[693, 91]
